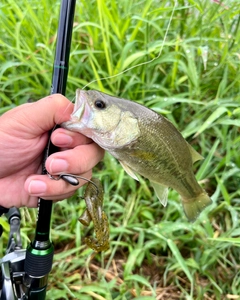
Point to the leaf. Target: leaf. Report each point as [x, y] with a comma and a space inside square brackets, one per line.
[176, 253]
[131, 261]
[230, 122]
[8, 65]
[206, 163]
[139, 279]
[195, 3]
[210, 120]
[226, 240]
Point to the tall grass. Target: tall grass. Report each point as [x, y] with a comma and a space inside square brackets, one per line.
[155, 252]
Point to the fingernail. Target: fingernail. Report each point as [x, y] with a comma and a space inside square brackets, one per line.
[58, 165]
[62, 140]
[37, 187]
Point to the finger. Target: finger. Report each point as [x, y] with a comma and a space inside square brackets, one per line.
[57, 109]
[75, 161]
[33, 200]
[68, 139]
[43, 114]
[49, 189]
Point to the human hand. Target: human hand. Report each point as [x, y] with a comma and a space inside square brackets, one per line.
[23, 137]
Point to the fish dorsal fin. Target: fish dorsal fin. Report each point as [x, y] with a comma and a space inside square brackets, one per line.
[129, 171]
[195, 155]
[161, 192]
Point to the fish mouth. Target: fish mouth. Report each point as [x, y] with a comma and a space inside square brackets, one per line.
[79, 105]
[78, 111]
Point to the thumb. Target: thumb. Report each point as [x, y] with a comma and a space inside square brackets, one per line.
[51, 110]
[40, 116]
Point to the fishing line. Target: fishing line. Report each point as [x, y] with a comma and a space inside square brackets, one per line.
[72, 179]
[143, 63]
[140, 64]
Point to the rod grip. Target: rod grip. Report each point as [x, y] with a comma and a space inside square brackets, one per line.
[38, 263]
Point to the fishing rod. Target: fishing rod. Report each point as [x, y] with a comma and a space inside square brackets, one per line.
[39, 254]
[25, 272]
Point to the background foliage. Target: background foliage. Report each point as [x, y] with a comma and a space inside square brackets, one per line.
[155, 252]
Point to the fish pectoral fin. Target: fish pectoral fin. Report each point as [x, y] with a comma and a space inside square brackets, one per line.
[194, 154]
[161, 192]
[129, 171]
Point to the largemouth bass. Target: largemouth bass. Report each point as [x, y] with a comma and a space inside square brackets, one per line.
[93, 197]
[144, 142]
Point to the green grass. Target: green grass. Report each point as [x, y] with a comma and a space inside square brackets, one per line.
[155, 252]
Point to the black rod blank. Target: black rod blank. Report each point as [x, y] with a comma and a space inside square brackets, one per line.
[41, 249]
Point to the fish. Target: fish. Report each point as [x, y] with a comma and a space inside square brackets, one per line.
[144, 142]
[93, 197]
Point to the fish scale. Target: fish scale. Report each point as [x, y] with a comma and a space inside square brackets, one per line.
[144, 142]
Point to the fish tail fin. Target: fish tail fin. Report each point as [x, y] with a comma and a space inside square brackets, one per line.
[194, 207]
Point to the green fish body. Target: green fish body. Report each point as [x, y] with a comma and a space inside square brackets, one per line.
[144, 142]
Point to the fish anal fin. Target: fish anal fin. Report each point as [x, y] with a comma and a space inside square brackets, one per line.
[129, 171]
[194, 154]
[161, 192]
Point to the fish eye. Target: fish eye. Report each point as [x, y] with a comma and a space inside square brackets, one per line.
[99, 104]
